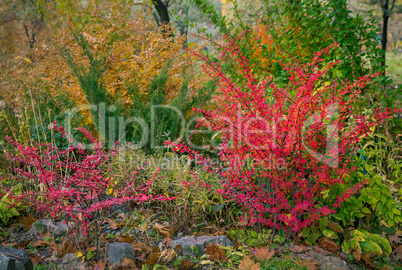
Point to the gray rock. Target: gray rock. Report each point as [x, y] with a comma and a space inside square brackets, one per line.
[70, 261]
[195, 245]
[48, 225]
[14, 259]
[116, 252]
[328, 262]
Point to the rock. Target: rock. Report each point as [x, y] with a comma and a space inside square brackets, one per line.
[190, 243]
[14, 259]
[116, 252]
[56, 228]
[70, 261]
[328, 262]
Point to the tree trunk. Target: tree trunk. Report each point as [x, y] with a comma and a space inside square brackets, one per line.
[162, 11]
[385, 17]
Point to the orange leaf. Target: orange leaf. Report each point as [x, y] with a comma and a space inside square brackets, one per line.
[248, 264]
[215, 253]
[27, 221]
[328, 244]
[185, 265]
[35, 260]
[263, 253]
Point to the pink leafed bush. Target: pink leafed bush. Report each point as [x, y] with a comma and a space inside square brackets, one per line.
[71, 183]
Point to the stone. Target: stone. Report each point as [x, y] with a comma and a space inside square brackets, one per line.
[14, 259]
[116, 252]
[56, 228]
[70, 261]
[328, 262]
[192, 245]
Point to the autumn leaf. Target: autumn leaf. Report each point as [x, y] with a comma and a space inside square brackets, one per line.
[40, 243]
[368, 261]
[164, 230]
[27, 221]
[153, 258]
[328, 244]
[394, 239]
[167, 255]
[100, 265]
[298, 249]
[127, 263]
[66, 247]
[322, 251]
[215, 253]
[185, 264]
[398, 253]
[36, 259]
[248, 264]
[125, 238]
[178, 249]
[263, 253]
[140, 246]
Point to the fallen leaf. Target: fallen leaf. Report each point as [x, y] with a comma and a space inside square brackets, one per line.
[27, 221]
[36, 259]
[167, 241]
[40, 243]
[263, 253]
[112, 224]
[215, 253]
[394, 239]
[369, 262]
[100, 265]
[177, 249]
[167, 255]
[248, 264]
[140, 246]
[357, 254]
[125, 238]
[328, 244]
[127, 263]
[164, 230]
[153, 258]
[66, 247]
[298, 249]
[322, 251]
[185, 264]
[398, 253]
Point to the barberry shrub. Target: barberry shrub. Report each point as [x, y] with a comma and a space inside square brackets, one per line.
[284, 146]
[72, 183]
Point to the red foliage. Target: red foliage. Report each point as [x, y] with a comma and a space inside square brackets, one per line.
[282, 134]
[71, 183]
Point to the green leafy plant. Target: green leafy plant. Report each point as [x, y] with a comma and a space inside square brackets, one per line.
[362, 242]
[6, 211]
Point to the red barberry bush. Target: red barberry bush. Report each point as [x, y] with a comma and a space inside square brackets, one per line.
[284, 146]
[72, 184]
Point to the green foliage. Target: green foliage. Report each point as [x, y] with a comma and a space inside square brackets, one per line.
[363, 242]
[164, 118]
[253, 238]
[7, 212]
